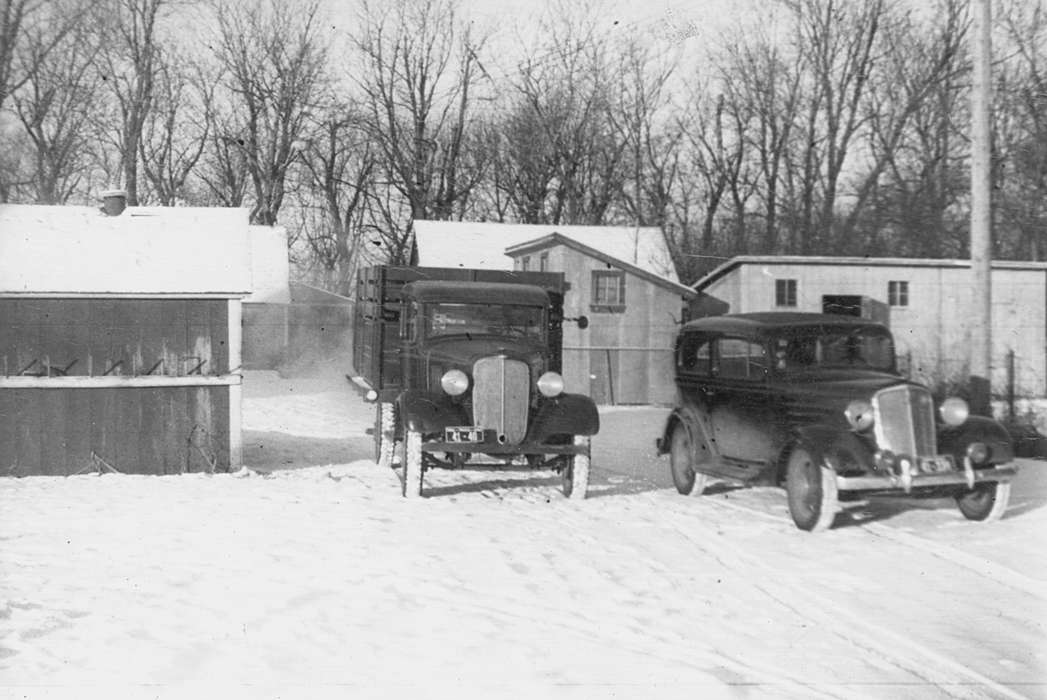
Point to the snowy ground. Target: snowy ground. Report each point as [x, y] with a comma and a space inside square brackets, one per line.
[311, 577]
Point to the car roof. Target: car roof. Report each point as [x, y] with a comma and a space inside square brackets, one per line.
[459, 292]
[771, 321]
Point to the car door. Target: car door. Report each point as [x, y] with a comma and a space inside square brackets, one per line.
[741, 410]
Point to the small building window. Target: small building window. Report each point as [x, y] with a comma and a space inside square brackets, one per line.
[785, 292]
[525, 263]
[543, 262]
[898, 293]
[608, 290]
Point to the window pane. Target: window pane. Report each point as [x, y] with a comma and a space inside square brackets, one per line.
[741, 359]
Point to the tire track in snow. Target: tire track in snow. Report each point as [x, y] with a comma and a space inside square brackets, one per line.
[873, 637]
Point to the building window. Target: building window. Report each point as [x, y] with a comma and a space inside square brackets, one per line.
[525, 263]
[898, 293]
[785, 292]
[608, 290]
[543, 262]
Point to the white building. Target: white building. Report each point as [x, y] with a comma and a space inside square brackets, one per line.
[925, 302]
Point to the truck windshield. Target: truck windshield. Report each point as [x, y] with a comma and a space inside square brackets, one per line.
[862, 348]
[508, 320]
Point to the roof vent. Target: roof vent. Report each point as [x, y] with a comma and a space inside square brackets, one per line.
[114, 202]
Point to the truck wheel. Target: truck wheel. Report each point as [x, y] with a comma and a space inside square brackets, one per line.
[986, 502]
[413, 465]
[384, 427]
[576, 474]
[811, 490]
[687, 480]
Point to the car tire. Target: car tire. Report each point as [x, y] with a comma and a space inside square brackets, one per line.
[687, 480]
[811, 491]
[384, 427]
[575, 476]
[413, 465]
[986, 502]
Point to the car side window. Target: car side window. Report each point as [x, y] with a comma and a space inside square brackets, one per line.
[742, 359]
[694, 354]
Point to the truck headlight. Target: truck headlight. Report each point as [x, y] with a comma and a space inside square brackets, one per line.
[954, 411]
[454, 382]
[550, 384]
[859, 414]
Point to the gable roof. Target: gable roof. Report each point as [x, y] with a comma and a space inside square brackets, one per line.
[740, 260]
[483, 244]
[555, 239]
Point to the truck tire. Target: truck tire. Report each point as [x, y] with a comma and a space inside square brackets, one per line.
[811, 491]
[384, 433]
[413, 465]
[576, 474]
[986, 502]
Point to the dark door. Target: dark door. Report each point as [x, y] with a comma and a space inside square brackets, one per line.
[742, 412]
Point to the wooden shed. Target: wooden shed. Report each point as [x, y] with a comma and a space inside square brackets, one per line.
[120, 339]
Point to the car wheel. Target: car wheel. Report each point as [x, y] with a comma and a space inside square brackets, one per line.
[687, 480]
[811, 491]
[986, 502]
[575, 476]
[384, 426]
[413, 465]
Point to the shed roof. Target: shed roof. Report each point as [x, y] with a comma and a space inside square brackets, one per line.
[65, 250]
[740, 260]
[555, 239]
[483, 245]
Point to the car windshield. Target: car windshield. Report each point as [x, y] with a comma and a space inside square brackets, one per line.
[831, 347]
[510, 320]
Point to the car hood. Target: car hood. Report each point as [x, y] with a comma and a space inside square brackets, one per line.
[822, 396]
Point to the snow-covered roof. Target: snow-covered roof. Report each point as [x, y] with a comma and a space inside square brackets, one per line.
[558, 239]
[740, 260]
[483, 245]
[142, 251]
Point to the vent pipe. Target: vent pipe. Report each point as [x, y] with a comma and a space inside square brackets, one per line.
[114, 202]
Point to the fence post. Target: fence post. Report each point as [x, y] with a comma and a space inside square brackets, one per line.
[1010, 384]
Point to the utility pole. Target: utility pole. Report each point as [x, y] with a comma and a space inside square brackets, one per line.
[981, 208]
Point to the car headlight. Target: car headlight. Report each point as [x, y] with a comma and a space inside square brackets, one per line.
[550, 384]
[454, 382]
[978, 452]
[954, 411]
[859, 414]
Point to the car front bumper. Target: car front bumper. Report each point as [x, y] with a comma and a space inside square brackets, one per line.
[906, 482]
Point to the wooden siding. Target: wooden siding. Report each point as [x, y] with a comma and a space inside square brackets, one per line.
[122, 337]
[158, 430]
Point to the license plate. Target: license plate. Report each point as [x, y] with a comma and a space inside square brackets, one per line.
[932, 465]
[464, 434]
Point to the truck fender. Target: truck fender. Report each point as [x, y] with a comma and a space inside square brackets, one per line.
[428, 412]
[566, 414]
[954, 440]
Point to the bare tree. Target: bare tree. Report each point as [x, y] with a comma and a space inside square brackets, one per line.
[47, 22]
[340, 164]
[176, 130]
[53, 105]
[421, 70]
[276, 65]
[129, 62]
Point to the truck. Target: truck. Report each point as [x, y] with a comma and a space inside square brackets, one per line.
[464, 366]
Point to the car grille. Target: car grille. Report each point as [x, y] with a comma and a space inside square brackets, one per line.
[905, 421]
[501, 393]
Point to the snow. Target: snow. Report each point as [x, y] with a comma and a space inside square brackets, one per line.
[308, 575]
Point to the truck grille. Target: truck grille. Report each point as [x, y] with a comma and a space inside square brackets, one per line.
[501, 393]
[905, 421]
